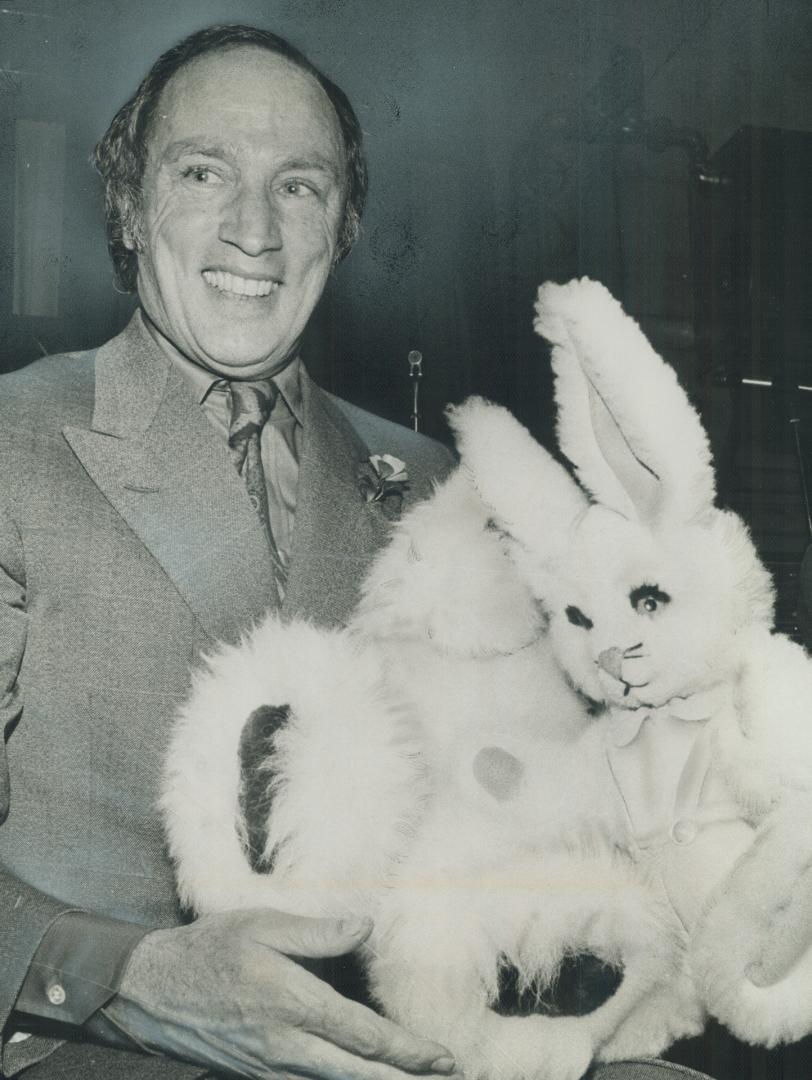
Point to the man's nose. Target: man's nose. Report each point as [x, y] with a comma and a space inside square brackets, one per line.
[251, 221]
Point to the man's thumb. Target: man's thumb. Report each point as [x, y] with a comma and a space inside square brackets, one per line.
[318, 938]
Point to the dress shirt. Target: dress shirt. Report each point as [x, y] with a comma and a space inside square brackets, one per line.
[78, 966]
[280, 442]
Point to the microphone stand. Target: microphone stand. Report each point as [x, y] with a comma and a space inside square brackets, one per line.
[415, 359]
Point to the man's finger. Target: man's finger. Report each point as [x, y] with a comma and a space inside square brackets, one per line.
[333, 1062]
[365, 1034]
[297, 935]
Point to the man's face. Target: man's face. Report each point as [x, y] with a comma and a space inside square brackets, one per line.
[243, 195]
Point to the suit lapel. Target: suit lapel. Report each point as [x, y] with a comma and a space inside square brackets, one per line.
[153, 454]
[336, 533]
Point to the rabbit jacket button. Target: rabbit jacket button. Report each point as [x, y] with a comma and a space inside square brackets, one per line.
[684, 832]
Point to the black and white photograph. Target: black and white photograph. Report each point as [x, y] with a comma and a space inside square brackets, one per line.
[406, 539]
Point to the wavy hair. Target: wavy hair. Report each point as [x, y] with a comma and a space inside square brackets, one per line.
[120, 156]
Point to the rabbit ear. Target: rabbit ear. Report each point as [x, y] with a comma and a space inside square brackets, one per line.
[636, 442]
[532, 497]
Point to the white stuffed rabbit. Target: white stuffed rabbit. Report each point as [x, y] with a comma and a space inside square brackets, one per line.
[556, 724]
[660, 608]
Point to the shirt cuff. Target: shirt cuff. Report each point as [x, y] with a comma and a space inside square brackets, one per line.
[78, 966]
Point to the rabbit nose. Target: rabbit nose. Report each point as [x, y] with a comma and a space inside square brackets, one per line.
[611, 660]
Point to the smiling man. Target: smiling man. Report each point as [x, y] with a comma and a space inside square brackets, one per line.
[157, 495]
[243, 193]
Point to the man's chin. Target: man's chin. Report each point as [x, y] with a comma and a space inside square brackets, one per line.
[242, 357]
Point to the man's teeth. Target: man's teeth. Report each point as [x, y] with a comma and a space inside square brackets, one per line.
[231, 283]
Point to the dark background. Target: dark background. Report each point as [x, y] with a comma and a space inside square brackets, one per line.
[662, 146]
[509, 141]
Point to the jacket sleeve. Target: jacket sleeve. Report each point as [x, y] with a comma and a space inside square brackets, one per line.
[25, 913]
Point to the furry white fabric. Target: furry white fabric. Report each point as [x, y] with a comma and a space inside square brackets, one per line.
[616, 378]
[440, 773]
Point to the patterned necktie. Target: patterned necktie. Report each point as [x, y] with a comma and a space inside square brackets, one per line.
[251, 405]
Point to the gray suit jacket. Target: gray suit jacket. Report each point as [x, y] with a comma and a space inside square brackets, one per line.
[128, 546]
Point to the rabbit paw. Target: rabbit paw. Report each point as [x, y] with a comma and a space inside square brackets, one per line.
[751, 952]
[530, 1048]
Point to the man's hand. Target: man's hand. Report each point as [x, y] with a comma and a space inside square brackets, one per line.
[223, 993]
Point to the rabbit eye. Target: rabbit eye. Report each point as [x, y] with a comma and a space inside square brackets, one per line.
[577, 617]
[646, 599]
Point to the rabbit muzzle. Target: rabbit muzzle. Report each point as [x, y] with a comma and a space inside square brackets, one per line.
[613, 665]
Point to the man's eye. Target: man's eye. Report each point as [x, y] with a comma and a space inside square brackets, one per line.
[201, 175]
[297, 189]
[577, 617]
[646, 599]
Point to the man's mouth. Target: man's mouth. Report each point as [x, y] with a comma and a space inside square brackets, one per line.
[239, 286]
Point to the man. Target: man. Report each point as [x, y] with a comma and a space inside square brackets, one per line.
[129, 543]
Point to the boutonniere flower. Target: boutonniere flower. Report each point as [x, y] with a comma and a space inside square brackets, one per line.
[381, 476]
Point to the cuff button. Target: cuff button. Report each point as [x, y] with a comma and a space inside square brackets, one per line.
[56, 994]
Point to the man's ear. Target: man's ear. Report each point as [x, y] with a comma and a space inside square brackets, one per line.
[130, 233]
[130, 218]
